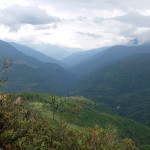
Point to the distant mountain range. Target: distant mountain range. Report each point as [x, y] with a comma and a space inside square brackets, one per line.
[54, 51]
[78, 57]
[117, 76]
[36, 54]
[124, 85]
[29, 74]
[107, 56]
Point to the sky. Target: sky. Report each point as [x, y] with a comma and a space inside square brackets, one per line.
[84, 24]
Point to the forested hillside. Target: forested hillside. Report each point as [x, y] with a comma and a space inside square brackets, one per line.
[30, 74]
[35, 122]
[123, 85]
[117, 85]
[36, 54]
[81, 56]
[108, 56]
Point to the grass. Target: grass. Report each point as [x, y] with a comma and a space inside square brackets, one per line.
[83, 112]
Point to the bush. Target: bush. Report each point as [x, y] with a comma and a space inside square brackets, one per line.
[23, 130]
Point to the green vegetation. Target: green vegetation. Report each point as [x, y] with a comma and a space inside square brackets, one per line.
[30, 74]
[76, 116]
[44, 121]
[24, 128]
[87, 115]
[107, 57]
[123, 86]
[21, 128]
[3, 69]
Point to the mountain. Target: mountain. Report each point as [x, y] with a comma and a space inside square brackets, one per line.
[100, 59]
[30, 74]
[124, 85]
[80, 56]
[88, 116]
[44, 121]
[118, 85]
[36, 54]
[54, 51]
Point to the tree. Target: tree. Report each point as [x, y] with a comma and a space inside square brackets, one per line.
[3, 69]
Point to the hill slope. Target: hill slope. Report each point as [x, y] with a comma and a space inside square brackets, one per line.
[89, 116]
[24, 127]
[28, 73]
[54, 51]
[108, 56]
[36, 54]
[81, 56]
[123, 85]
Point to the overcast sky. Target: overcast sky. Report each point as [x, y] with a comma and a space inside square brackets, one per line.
[83, 24]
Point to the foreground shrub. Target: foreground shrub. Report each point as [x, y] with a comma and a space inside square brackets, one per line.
[21, 129]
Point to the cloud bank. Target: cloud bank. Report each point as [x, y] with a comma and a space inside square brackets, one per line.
[16, 15]
[75, 23]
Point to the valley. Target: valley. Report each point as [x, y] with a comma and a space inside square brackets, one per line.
[106, 88]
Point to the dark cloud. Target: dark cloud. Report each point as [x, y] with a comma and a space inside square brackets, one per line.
[18, 15]
[134, 41]
[135, 19]
[89, 34]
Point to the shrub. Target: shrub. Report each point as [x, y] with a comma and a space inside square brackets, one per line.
[21, 129]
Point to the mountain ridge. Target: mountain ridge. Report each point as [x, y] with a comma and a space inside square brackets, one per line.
[36, 54]
[121, 80]
[26, 68]
[107, 56]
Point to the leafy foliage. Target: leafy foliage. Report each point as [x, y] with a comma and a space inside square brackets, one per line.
[3, 69]
[123, 86]
[84, 112]
[21, 129]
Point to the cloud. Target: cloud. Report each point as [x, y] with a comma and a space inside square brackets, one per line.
[96, 4]
[46, 27]
[136, 19]
[76, 23]
[143, 35]
[15, 16]
[90, 34]
[81, 18]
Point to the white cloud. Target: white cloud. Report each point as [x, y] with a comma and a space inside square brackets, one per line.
[75, 23]
[6, 3]
[15, 16]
